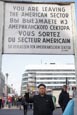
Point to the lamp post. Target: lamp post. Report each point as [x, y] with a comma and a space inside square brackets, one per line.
[6, 87]
[66, 81]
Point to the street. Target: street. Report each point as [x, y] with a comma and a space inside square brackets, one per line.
[20, 112]
[13, 112]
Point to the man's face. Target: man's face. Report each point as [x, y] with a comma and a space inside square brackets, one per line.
[42, 90]
[65, 88]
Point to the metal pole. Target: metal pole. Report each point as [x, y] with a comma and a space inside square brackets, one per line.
[66, 81]
[1, 30]
[6, 87]
[75, 44]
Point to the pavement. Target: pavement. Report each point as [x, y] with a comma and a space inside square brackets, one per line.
[75, 106]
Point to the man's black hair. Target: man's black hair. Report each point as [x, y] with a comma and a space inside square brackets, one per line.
[42, 85]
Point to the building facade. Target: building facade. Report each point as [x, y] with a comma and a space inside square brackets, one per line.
[53, 75]
[2, 84]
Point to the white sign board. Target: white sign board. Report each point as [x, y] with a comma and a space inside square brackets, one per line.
[38, 28]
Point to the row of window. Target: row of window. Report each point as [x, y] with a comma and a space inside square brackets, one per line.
[56, 82]
[56, 78]
[49, 78]
[55, 74]
[32, 70]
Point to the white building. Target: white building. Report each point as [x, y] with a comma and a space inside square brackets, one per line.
[52, 75]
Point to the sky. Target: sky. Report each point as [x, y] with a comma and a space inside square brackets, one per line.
[15, 65]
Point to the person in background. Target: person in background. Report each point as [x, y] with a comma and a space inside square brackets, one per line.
[3, 101]
[24, 104]
[42, 103]
[0, 102]
[19, 102]
[63, 98]
[9, 101]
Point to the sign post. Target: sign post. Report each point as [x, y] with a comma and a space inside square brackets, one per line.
[1, 30]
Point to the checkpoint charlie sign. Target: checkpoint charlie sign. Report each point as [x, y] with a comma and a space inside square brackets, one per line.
[39, 28]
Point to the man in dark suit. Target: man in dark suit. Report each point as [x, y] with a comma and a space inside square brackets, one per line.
[42, 103]
[63, 98]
